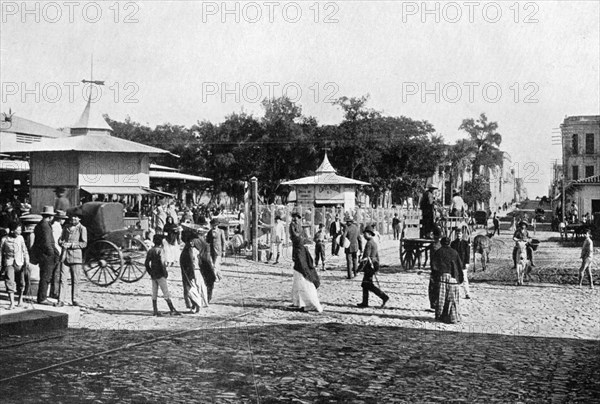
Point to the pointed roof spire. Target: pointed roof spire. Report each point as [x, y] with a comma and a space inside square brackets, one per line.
[91, 120]
[325, 166]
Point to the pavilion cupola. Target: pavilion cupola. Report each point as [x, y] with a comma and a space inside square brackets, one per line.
[91, 122]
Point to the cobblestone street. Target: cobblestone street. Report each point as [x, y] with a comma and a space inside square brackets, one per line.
[536, 343]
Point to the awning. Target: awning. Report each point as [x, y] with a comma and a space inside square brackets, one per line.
[115, 190]
[169, 175]
[157, 192]
[14, 165]
[329, 202]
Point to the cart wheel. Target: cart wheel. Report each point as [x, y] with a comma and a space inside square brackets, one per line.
[103, 263]
[134, 258]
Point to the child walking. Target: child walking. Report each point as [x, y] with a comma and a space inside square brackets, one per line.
[15, 260]
[156, 265]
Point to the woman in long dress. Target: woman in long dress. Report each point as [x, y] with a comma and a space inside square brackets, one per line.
[306, 281]
[194, 256]
[171, 240]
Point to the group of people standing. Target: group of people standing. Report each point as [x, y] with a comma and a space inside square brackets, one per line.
[57, 247]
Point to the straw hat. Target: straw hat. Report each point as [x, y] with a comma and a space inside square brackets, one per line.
[48, 211]
[61, 214]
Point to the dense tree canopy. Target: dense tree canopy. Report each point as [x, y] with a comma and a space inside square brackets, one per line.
[395, 154]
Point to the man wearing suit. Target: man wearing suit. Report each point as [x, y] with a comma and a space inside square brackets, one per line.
[352, 234]
[336, 229]
[73, 240]
[45, 253]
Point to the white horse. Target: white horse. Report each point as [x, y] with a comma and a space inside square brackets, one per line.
[523, 264]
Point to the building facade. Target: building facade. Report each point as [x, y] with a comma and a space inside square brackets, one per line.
[581, 162]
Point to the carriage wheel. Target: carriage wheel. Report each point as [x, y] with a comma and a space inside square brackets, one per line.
[134, 258]
[103, 263]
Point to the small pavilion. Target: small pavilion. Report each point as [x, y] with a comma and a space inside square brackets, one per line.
[88, 162]
[325, 188]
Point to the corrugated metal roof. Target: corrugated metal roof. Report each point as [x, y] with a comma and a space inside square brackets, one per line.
[88, 143]
[177, 176]
[27, 127]
[325, 178]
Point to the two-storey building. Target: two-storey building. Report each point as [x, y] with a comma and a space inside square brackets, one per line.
[581, 162]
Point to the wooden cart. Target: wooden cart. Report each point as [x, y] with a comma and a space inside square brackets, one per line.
[413, 248]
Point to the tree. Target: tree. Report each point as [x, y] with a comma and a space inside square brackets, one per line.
[486, 142]
[477, 190]
[460, 156]
[394, 154]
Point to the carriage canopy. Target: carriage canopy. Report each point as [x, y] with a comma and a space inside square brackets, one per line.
[101, 218]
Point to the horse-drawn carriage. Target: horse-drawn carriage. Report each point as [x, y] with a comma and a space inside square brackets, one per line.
[114, 251]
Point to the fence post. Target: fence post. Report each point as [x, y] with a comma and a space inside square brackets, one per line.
[254, 229]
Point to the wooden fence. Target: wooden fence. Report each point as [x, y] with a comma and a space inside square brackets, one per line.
[378, 218]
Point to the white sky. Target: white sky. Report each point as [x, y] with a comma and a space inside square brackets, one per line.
[171, 61]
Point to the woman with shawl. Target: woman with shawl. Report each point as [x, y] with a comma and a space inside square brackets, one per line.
[196, 264]
[306, 281]
[170, 242]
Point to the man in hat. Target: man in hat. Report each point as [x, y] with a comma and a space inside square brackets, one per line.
[73, 240]
[352, 234]
[296, 235]
[335, 229]
[370, 259]
[217, 241]
[57, 229]
[521, 234]
[61, 202]
[457, 207]
[45, 252]
[427, 206]
[396, 226]
[296, 232]
[277, 238]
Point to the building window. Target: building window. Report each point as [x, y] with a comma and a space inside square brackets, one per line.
[575, 144]
[575, 175]
[589, 171]
[589, 143]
